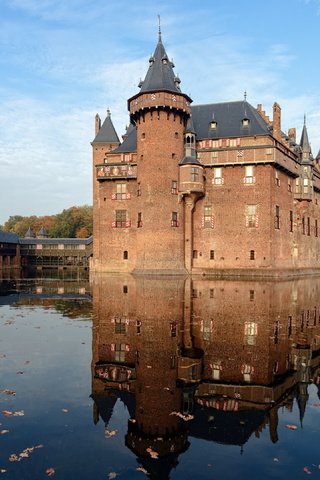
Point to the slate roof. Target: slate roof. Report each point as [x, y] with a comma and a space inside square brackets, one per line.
[129, 143]
[107, 132]
[8, 237]
[55, 241]
[229, 117]
[160, 75]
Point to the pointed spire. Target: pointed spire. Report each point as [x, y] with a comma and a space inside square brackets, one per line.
[305, 144]
[160, 76]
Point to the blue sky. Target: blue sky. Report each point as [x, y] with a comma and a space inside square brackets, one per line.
[63, 61]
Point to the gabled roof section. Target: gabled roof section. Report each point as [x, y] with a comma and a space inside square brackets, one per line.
[8, 237]
[231, 119]
[160, 75]
[129, 143]
[107, 132]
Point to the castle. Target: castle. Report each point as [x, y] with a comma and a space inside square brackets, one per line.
[204, 189]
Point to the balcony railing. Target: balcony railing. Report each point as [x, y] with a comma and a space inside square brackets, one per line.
[114, 171]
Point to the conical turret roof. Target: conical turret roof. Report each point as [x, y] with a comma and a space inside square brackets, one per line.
[107, 132]
[160, 75]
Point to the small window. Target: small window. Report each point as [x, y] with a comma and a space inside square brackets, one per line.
[143, 135]
[251, 295]
[211, 293]
[303, 226]
[245, 122]
[138, 189]
[213, 125]
[277, 217]
[139, 222]
[316, 228]
[252, 255]
[217, 176]
[249, 174]
[277, 179]
[174, 187]
[194, 174]
[195, 254]
[174, 219]
[125, 289]
[125, 255]
[211, 254]
[308, 227]
[251, 216]
[207, 216]
[290, 221]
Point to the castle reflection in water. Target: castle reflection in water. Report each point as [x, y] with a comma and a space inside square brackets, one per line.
[211, 359]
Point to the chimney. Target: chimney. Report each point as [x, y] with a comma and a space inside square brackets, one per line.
[97, 124]
[262, 113]
[292, 134]
[276, 120]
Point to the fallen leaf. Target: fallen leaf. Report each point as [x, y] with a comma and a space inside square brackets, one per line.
[186, 418]
[50, 472]
[276, 459]
[112, 475]
[3, 432]
[306, 470]
[20, 373]
[2, 470]
[8, 392]
[65, 410]
[292, 427]
[110, 433]
[143, 470]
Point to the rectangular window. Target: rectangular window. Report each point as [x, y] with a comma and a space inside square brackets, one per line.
[303, 226]
[316, 228]
[308, 227]
[207, 216]
[120, 352]
[251, 216]
[217, 176]
[174, 219]
[289, 186]
[277, 217]
[139, 223]
[211, 254]
[121, 191]
[249, 174]
[174, 187]
[121, 219]
[194, 253]
[119, 325]
[290, 221]
[277, 179]
[194, 174]
[252, 255]
[139, 190]
[306, 184]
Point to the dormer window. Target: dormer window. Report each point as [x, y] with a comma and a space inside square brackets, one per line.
[213, 125]
[151, 60]
[164, 60]
[245, 122]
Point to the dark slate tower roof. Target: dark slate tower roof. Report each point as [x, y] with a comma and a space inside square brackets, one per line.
[107, 132]
[29, 233]
[305, 145]
[228, 117]
[160, 75]
[129, 143]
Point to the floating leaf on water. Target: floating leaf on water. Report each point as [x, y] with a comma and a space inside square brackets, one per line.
[110, 433]
[292, 427]
[152, 453]
[3, 432]
[2, 470]
[50, 472]
[143, 470]
[65, 410]
[112, 475]
[306, 470]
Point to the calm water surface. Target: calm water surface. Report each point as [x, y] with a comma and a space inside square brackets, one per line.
[125, 377]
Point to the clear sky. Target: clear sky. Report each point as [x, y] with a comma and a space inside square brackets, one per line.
[63, 61]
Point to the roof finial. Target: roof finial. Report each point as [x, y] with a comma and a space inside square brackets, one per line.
[304, 119]
[159, 20]
[245, 96]
[108, 112]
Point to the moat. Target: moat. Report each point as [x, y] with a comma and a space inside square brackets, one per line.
[161, 378]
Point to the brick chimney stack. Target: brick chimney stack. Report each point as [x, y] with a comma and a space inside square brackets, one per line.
[292, 134]
[97, 124]
[276, 120]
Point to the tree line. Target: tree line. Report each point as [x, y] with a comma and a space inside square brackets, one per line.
[73, 222]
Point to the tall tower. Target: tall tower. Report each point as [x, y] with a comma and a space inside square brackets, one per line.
[160, 112]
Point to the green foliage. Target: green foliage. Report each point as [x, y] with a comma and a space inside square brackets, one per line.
[74, 222]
